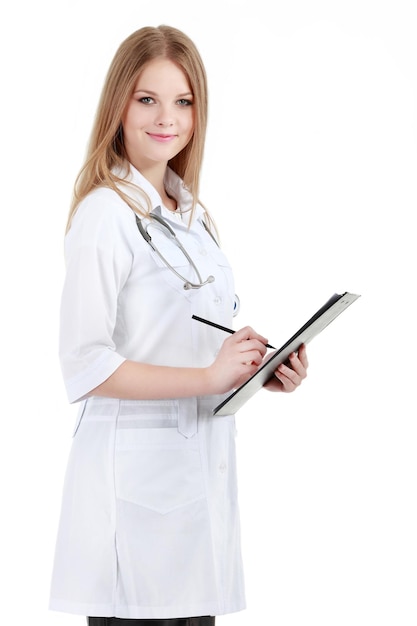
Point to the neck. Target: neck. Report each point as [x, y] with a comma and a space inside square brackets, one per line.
[155, 174]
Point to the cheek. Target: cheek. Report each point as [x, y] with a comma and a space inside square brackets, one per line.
[191, 132]
[134, 118]
[191, 125]
[126, 123]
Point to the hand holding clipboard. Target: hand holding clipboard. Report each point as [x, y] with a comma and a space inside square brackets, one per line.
[318, 322]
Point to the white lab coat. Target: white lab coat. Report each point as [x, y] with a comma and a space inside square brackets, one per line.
[150, 524]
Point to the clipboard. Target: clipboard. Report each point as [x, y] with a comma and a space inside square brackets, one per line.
[318, 322]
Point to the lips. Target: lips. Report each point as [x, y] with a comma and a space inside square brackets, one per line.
[161, 138]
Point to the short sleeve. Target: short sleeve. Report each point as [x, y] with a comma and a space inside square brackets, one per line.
[98, 262]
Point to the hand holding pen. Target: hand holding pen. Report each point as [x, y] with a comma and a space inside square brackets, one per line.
[287, 377]
[239, 357]
[226, 330]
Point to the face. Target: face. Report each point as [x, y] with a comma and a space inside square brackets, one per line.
[159, 119]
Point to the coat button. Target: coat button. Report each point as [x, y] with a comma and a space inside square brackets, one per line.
[222, 468]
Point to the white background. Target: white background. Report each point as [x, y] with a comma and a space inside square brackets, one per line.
[310, 172]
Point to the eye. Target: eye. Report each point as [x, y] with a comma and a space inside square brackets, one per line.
[184, 102]
[146, 100]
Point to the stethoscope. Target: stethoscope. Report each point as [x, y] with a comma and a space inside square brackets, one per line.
[166, 228]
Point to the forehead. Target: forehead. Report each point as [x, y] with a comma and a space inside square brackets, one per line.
[164, 75]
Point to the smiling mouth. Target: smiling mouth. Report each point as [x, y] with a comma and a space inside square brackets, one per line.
[160, 137]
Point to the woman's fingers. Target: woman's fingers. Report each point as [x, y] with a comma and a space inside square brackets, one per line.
[247, 333]
[250, 345]
[292, 375]
[288, 376]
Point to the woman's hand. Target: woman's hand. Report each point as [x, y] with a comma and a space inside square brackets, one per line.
[239, 357]
[290, 376]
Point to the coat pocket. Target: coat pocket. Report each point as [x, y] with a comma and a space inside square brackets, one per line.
[158, 468]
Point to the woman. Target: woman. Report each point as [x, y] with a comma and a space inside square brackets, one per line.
[149, 530]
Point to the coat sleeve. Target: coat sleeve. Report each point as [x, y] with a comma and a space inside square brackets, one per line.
[98, 262]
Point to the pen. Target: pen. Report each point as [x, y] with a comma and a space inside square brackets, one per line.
[226, 330]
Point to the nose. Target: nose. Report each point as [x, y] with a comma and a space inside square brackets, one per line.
[164, 118]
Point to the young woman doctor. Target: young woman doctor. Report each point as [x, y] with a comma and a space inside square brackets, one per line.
[149, 529]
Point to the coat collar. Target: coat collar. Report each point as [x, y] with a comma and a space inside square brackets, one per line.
[173, 184]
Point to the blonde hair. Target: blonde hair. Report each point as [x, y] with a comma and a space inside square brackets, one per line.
[106, 151]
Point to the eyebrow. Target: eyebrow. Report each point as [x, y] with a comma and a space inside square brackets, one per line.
[153, 93]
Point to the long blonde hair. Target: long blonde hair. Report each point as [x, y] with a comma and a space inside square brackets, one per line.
[106, 151]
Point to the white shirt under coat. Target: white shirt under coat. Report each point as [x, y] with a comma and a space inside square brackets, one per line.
[150, 523]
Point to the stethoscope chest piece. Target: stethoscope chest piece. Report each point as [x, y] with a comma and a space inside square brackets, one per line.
[236, 305]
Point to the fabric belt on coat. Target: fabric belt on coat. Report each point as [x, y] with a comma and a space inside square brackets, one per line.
[187, 410]
[206, 620]
[187, 416]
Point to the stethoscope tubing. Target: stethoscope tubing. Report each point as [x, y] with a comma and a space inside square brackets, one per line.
[170, 232]
[147, 237]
